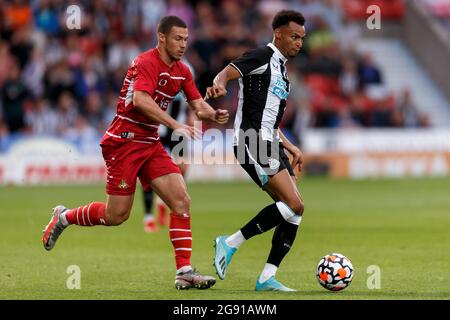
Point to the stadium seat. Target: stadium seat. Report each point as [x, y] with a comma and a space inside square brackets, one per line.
[390, 9]
[438, 8]
[322, 84]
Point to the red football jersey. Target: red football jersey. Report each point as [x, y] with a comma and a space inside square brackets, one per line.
[149, 73]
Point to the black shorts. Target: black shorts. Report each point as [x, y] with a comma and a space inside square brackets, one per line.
[263, 160]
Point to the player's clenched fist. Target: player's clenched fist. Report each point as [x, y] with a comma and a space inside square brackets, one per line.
[221, 116]
[216, 91]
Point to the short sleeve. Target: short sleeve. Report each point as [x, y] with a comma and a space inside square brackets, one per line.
[251, 60]
[189, 88]
[145, 76]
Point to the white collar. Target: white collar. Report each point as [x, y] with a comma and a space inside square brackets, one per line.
[277, 52]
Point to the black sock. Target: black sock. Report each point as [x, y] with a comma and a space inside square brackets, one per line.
[148, 201]
[265, 220]
[282, 240]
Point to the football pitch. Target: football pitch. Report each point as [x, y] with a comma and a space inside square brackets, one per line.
[396, 233]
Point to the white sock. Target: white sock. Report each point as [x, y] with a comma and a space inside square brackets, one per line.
[268, 271]
[184, 269]
[149, 216]
[235, 240]
[63, 218]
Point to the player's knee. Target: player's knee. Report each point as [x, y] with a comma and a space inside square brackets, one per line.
[182, 204]
[118, 217]
[296, 205]
[186, 202]
[122, 218]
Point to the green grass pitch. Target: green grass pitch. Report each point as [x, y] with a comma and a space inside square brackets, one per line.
[401, 226]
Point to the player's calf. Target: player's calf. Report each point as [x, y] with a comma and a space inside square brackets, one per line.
[89, 215]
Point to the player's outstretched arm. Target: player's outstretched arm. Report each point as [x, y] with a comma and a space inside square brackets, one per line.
[205, 112]
[146, 105]
[218, 88]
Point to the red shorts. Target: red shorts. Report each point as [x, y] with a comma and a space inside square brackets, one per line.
[126, 161]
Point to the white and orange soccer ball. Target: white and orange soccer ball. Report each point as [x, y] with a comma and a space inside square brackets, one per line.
[334, 272]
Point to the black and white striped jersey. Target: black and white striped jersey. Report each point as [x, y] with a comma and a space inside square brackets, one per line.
[263, 89]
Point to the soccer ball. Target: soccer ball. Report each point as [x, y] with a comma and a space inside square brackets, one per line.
[334, 272]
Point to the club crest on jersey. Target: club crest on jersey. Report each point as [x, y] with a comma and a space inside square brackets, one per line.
[273, 163]
[123, 184]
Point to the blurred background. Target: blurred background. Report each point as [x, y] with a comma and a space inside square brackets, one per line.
[364, 102]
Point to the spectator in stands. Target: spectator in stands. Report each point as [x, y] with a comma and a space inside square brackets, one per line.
[298, 108]
[382, 113]
[6, 59]
[66, 66]
[110, 109]
[121, 52]
[67, 111]
[358, 108]
[94, 110]
[349, 34]
[20, 46]
[424, 120]
[17, 14]
[369, 73]
[349, 77]
[4, 136]
[326, 115]
[322, 37]
[59, 78]
[181, 9]
[346, 120]
[34, 72]
[407, 109]
[14, 95]
[152, 11]
[83, 135]
[42, 118]
[46, 18]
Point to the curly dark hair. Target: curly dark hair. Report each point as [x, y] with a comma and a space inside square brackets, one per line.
[283, 18]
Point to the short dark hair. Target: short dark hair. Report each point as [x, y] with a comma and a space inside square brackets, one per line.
[283, 18]
[166, 24]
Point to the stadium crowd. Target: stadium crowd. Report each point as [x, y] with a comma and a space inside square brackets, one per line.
[56, 81]
[440, 10]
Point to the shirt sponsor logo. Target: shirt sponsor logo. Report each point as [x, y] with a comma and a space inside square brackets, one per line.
[280, 89]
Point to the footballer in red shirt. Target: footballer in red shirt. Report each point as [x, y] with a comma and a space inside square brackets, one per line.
[132, 149]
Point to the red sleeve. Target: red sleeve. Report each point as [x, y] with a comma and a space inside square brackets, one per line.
[145, 76]
[189, 88]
